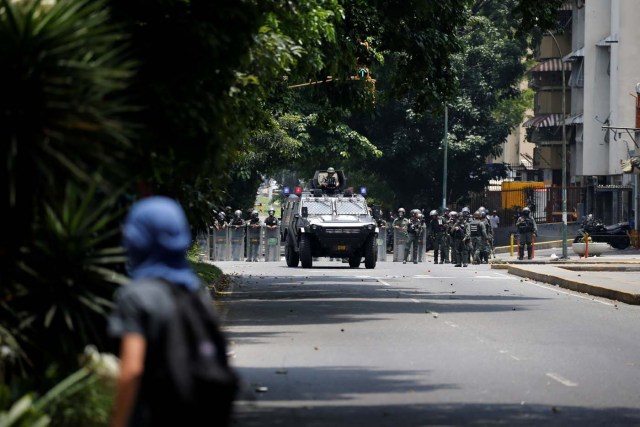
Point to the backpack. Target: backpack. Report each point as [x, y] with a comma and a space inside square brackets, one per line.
[192, 377]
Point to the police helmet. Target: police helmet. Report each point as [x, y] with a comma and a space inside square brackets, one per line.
[526, 211]
[477, 214]
[254, 213]
[466, 211]
[453, 213]
[483, 214]
[271, 212]
[401, 211]
[238, 213]
[433, 212]
[331, 170]
[222, 215]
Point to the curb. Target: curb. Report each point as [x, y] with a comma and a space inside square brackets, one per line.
[576, 285]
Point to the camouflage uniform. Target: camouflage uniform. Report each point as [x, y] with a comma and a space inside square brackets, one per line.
[414, 230]
[478, 234]
[527, 228]
[459, 232]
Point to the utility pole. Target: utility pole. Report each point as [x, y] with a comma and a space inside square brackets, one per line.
[564, 154]
[446, 146]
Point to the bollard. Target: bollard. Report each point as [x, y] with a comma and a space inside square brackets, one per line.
[511, 242]
[533, 246]
[586, 245]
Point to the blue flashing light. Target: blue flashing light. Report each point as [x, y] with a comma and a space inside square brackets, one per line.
[286, 190]
[363, 191]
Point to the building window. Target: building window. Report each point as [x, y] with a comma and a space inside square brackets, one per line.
[577, 75]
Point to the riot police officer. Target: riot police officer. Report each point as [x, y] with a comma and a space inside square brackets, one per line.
[488, 248]
[414, 230]
[237, 221]
[236, 235]
[459, 232]
[400, 225]
[330, 182]
[527, 229]
[253, 236]
[436, 230]
[478, 234]
[220, 221]
[467, 218]
[446, 240]
[271, 222]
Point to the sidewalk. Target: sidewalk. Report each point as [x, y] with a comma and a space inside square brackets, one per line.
[613, 275]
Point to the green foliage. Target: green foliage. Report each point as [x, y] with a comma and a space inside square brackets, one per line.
[61, 289]
[82, 399]
[66, 68]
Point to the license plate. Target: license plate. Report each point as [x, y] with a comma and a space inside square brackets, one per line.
[341, 248]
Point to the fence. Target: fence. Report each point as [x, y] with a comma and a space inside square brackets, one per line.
[545, 203]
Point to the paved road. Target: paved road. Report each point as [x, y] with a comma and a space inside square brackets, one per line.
[413, 345]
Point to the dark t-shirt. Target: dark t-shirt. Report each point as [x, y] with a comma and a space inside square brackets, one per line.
[143, 307]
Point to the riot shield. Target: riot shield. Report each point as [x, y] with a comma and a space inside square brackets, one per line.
[422, 245]
[236, 238]
[271, 244]
[202, 238]
[382, 244]
[220, 241]
[399, 245]
[254, 251]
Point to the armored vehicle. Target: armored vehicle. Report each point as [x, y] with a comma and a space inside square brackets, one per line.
[338, 224]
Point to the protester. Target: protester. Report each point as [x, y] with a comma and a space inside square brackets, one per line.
[156, 237]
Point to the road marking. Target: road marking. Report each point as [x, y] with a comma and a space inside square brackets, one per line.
[453, 325]
[561, 380]
[424, 276]
[506, 276]
[554, 289]
[383, 282]
[493, 277]
[514, 357]
[363, 277]
[415, 300]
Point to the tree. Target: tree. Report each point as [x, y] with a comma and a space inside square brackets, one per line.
[488, 71]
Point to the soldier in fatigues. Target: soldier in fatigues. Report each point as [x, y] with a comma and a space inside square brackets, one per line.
[253, 236]
[459, 232]
[527, 229]
[446, 239]
[467, 217]
[478, 234]
[414, 229]
[488, 249]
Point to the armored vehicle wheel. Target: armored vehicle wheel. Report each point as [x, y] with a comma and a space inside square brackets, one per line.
[370, 253]
[305, 251]
[291, 256]
[354, 261]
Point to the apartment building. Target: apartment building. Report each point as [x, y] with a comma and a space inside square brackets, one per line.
[596, 49]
